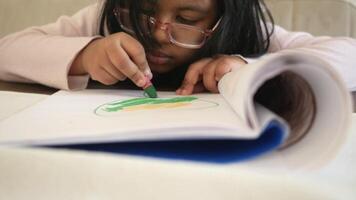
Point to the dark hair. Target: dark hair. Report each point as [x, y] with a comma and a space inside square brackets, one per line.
[243, 30]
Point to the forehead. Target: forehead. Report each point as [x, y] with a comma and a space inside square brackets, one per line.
[204, 5]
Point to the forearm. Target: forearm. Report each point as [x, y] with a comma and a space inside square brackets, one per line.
[45, 54]
[44, 59]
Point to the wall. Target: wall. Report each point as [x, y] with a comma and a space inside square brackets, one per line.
[320, 17]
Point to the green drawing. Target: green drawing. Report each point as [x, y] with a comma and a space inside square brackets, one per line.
[142, 104]
[116, 106]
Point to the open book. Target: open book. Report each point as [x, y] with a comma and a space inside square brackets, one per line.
[292, 103]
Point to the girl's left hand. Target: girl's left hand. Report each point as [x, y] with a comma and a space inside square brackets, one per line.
[207, 72]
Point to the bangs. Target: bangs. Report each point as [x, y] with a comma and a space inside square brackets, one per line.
[110, 24]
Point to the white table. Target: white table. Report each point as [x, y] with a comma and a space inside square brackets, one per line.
[49, 174]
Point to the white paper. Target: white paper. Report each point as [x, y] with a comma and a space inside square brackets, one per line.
[72, 117]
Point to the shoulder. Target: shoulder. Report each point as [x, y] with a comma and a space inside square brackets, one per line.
[84, 22]
[93, 11]
[281, 37]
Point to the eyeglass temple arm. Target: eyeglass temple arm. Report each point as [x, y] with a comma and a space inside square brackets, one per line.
[208, 32]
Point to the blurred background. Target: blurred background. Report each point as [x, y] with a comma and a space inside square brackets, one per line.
[319, 17]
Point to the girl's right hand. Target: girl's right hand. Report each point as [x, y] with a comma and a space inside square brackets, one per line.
[112, 59]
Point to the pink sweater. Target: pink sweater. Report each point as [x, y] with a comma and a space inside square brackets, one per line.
[44, 54]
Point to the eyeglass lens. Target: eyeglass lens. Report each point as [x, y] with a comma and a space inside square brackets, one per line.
[180, 33]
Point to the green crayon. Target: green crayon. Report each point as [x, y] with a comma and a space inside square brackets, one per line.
[150, 90]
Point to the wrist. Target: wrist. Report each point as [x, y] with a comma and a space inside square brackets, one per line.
[243, 59]
[77, 67]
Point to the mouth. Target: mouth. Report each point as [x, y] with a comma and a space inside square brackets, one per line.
[158, 58]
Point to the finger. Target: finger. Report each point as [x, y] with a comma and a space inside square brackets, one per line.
[221, 71]
[137, 53]
[103, 76]
[209, 76]
[199, 87]
[113, 71]
[188, 89]
[123, 63]
[192, 76]
[226, 66]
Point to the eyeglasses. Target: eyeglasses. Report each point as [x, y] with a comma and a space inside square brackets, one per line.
[182, 35]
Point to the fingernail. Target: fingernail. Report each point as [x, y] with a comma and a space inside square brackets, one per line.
[141, 82]
[148, 73]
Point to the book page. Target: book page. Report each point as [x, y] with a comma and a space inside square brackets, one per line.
[239, 87]
[331, 104]
[118, 115]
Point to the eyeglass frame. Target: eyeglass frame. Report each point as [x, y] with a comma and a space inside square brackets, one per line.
[167, 28]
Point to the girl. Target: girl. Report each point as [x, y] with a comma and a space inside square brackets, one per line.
[187, 45]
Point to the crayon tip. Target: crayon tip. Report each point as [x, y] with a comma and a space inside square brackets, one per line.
[151, 92]
[149, 89]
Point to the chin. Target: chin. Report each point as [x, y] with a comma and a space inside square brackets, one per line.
[161, 69]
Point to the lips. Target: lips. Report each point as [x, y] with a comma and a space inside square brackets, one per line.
[158, 57]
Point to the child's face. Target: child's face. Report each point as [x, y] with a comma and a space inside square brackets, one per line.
[197, 13]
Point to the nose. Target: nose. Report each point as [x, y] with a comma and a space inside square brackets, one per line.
[160, 33]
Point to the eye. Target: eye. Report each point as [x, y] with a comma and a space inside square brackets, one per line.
[183, 20]
[148, 12]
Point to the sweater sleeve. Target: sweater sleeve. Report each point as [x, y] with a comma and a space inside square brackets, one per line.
[44, 54]
[339, 52]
